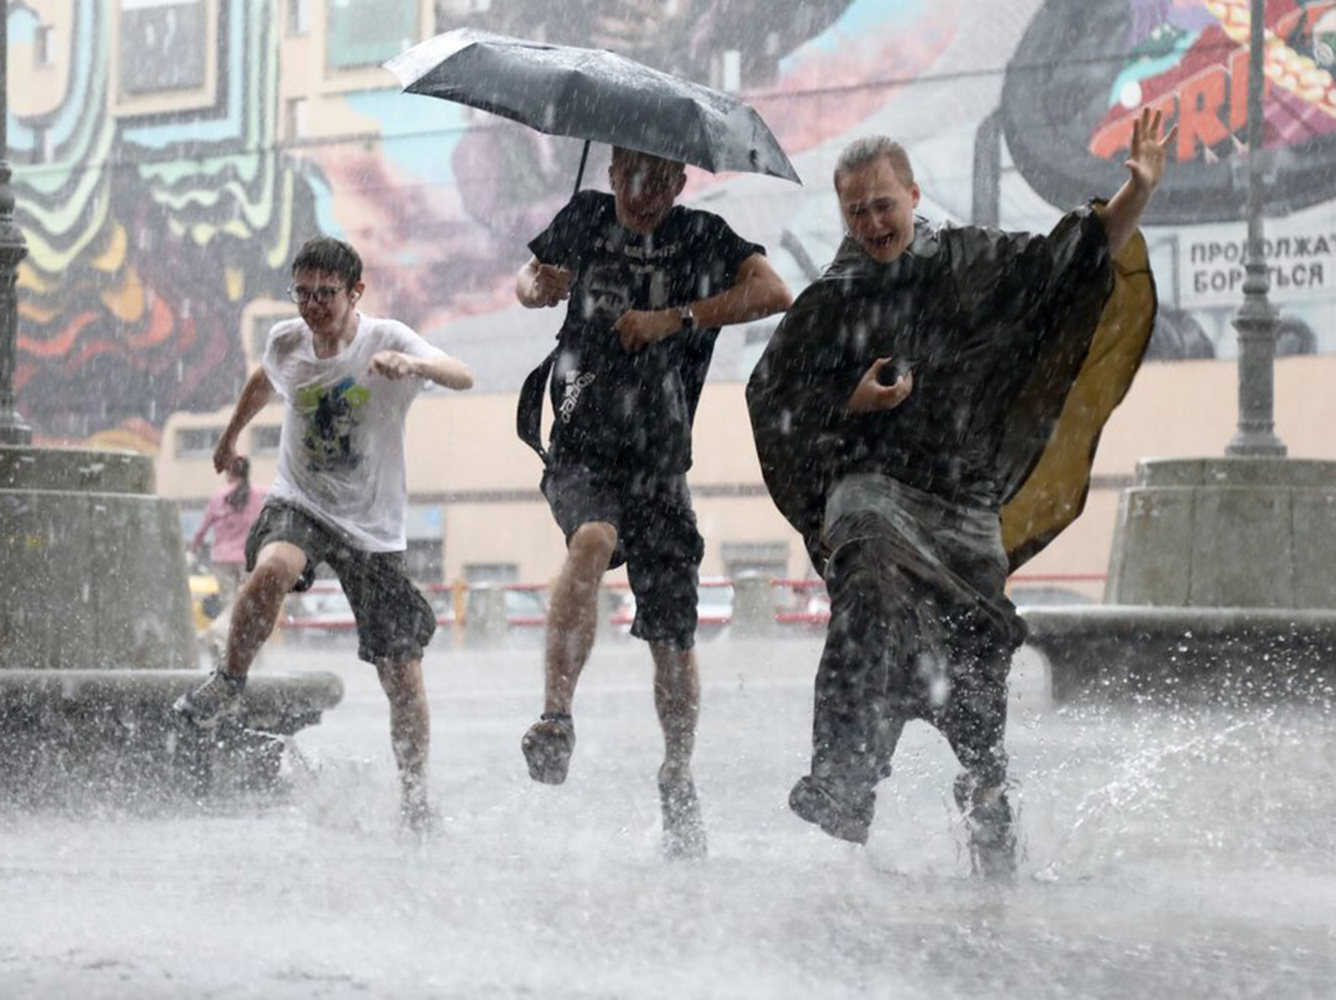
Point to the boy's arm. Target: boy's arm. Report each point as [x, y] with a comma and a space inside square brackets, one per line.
[1146, 166]
[255, 397]
[758, 291]
[439, 368]
[205, 524]
[538, 284]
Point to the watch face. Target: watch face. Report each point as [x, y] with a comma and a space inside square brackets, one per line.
[1084, 71]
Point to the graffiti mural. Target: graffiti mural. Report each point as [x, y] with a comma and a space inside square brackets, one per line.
[171, 154]
[1069, 120]
[147, 230]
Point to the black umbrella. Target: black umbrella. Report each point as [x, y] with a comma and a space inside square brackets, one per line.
[593, 95]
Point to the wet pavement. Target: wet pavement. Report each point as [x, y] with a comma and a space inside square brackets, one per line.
[1164, 853]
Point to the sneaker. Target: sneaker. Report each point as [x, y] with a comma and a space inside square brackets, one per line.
[217, 700]
[830, 806]
[548, 746]
[683, 831]
[417, 816]
[992, 837]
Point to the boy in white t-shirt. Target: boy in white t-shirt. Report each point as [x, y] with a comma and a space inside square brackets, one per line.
[340, 497]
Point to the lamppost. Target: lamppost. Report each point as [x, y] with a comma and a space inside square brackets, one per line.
[1256, 317]
[12, 250]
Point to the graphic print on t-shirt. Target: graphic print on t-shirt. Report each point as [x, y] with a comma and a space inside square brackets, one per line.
[611, 288]
[331, 414]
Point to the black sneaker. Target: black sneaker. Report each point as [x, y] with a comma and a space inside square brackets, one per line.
[992, 835]
[215, 701]
[548, 746]
[831, 806]
[683, 831]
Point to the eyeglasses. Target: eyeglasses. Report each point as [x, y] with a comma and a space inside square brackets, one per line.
[323, 295]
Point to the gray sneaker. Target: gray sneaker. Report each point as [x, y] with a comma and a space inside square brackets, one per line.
[217, 700]
[417, 816]
[992, 834]
[683, 831]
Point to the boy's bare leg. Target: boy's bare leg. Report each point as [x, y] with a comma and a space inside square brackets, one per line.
[277, 568]
[572, 622]
[677, 700]
[218, 699]
[410, 732]
[572, 616]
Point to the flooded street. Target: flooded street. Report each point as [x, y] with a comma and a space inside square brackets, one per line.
[1184, 854]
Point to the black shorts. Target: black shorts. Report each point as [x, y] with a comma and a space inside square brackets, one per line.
[656, 538]
[394, 620]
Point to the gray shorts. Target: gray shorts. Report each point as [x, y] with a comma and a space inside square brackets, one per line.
[656, 537]
[394, 620]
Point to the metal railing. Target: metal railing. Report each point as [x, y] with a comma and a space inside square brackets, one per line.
[793, 603]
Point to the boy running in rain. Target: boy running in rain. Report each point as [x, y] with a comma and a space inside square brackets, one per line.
[649, 285]
[340, 497]
[910, 416]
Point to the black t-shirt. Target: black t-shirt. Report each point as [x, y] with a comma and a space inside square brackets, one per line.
[618, 411]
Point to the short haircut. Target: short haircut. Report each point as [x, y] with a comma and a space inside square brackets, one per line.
[658, 163]
[869, 149]
[324, 253]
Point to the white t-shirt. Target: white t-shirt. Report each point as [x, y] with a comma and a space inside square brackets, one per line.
[341, 451]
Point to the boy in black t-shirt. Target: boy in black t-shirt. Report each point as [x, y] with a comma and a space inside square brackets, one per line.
[649, 285]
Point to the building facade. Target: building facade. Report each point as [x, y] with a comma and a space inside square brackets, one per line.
[170, 155]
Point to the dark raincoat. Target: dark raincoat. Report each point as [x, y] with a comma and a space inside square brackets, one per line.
[1020, 346]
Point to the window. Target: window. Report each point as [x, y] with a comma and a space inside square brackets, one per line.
[765, 558]
[424, 560]
[426, 553]
[259, 325]
[295, 125]
[264, 440]
[195, 442]
[731, 71]
[162, 46]
[299, 17]
[367, 32]
[44, 45]
[476, 573]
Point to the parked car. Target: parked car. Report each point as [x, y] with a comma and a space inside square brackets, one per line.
[205, 600]
[714, 608]
[323, 612]
[526, 607]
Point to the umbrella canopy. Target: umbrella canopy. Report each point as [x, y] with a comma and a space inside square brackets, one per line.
[593, 95]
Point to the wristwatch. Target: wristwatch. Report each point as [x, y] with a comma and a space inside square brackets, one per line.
[688, 318]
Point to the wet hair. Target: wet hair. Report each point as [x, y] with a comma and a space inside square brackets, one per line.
[240, 495]
[324, 253]
[870, 149]
[621, 153]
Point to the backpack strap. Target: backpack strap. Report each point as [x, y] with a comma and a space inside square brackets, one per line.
[529, 412]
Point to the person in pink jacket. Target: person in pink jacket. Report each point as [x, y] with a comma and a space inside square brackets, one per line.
[229, 515]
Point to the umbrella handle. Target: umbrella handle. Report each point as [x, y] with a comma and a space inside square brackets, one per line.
[579, 174]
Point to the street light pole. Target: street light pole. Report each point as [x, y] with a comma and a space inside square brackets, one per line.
[1256, 317]
[12, 250]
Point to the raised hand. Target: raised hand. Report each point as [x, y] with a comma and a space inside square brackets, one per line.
[1149, 149]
